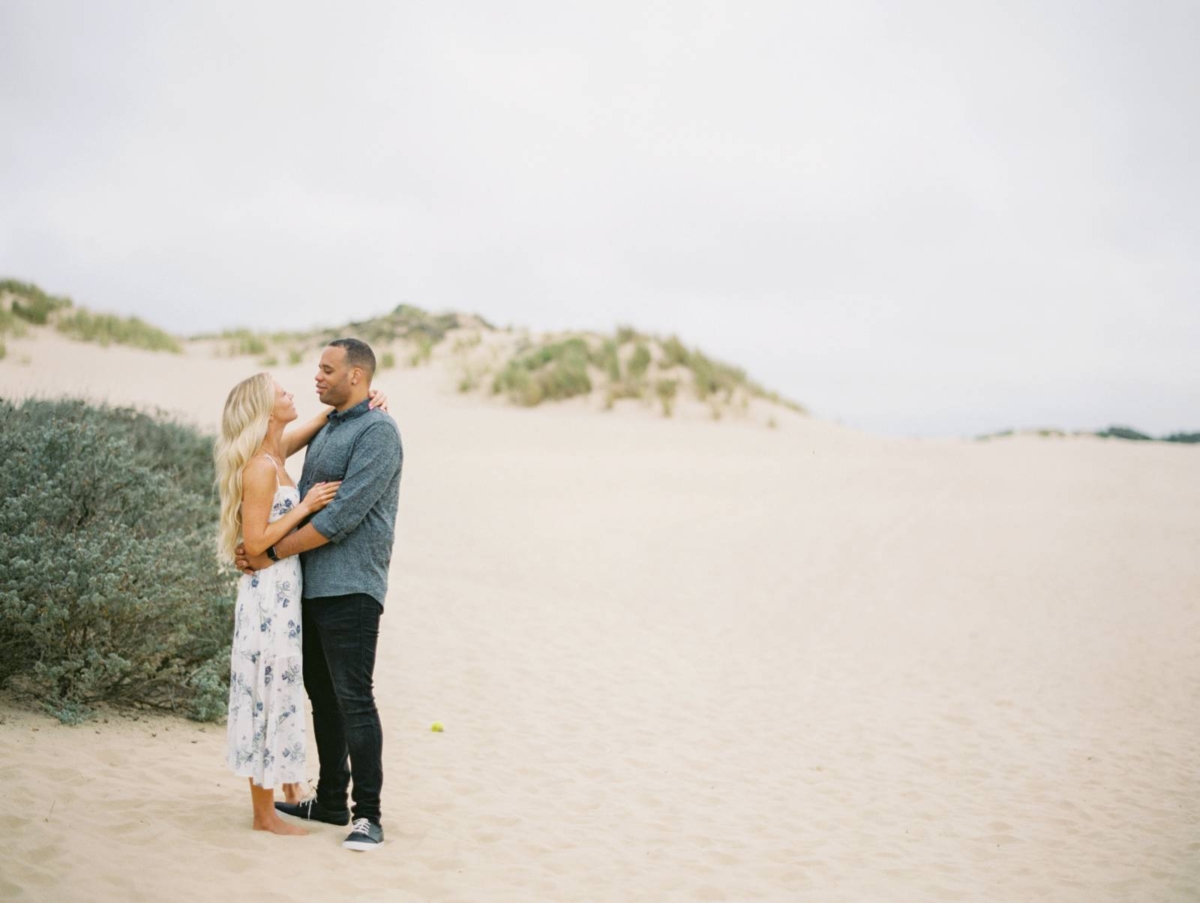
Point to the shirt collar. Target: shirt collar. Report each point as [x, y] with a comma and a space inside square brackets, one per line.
[350, 413]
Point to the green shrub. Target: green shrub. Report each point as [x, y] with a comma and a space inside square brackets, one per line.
[1123, 432]
[243, 341]
[109, 589]
[3, 351]
[467, 342]
[674, 353]
[557, 370]
[30, 303]
[639, 363]
[666, 389]
[607, 357]
[387, 361]
[294, 357]
[713, 376]
[9, 323]
[628, 334]
[108, 328]
[425, 345]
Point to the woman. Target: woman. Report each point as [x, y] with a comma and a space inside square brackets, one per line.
[259, 506]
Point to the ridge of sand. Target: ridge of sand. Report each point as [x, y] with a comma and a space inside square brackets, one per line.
[680, 661]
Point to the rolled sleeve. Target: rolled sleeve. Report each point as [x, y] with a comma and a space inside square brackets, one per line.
[374, 462]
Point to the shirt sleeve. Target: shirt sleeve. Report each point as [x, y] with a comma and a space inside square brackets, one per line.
[375, 459]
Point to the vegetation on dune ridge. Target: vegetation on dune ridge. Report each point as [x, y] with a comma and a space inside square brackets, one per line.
[29, 303]
[110, 591]
[406, 323]
[1112, 432]
[626, 364]
[25, 303]
[109, 329]
[553, 371]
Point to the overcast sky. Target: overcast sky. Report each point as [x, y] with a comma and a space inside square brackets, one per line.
[915, 218]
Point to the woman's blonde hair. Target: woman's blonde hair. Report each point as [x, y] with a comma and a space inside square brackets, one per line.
[243, 428]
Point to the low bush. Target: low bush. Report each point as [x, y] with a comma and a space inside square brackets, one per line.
[1123, 432]
[243, 341]
[639, 363]
[109, 588]
[11, 324]
[713, 376]
[674, 353]
[628, 334]
[666, 389]
[557, 370]
[30, 303]
[607, 357]
[424, 343]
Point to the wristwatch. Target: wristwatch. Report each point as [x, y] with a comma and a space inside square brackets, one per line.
[271, 554]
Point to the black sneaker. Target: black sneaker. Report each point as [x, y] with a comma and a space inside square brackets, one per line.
[366, 835]
[311, 810]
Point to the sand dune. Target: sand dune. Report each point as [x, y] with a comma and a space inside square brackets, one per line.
[684, 660]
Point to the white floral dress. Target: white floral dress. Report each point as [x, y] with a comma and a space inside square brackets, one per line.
[266, 684]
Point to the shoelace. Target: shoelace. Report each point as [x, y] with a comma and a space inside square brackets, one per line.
[361, 826]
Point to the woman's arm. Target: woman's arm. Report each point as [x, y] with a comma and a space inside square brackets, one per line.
[258, 492]
[299, 436]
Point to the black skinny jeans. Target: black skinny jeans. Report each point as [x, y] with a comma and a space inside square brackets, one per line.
[340, 636]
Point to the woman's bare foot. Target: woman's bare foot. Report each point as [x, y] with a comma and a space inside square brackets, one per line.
[265, 818]
[293, 793]
[277, 825]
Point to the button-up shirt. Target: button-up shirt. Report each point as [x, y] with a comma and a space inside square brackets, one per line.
[360, 447]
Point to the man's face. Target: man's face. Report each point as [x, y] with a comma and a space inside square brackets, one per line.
[334, 376]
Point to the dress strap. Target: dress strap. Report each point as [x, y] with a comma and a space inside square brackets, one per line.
[278, 484]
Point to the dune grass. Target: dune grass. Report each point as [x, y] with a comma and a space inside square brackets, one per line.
[559, 369]
[555, 371]
[109, 329]
[30, 303]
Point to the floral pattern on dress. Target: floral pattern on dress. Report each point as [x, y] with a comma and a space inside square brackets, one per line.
[266, 729]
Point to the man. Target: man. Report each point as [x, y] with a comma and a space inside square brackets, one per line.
[345, 550]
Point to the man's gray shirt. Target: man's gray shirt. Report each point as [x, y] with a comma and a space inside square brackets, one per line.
[360, 447]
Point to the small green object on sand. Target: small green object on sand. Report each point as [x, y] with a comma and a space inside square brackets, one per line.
[437, 727]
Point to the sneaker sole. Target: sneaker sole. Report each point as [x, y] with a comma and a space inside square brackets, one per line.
[360, 847]
[340, 821]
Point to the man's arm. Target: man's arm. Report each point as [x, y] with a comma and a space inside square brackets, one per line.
[298, 437]
[307, 537]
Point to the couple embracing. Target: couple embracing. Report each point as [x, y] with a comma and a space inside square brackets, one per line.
[315, 568]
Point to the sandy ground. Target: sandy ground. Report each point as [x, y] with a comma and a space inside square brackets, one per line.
[685, 660]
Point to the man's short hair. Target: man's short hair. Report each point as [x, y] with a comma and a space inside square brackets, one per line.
[358, 354]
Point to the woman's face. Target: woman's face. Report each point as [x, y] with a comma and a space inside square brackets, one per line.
[285, 406]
